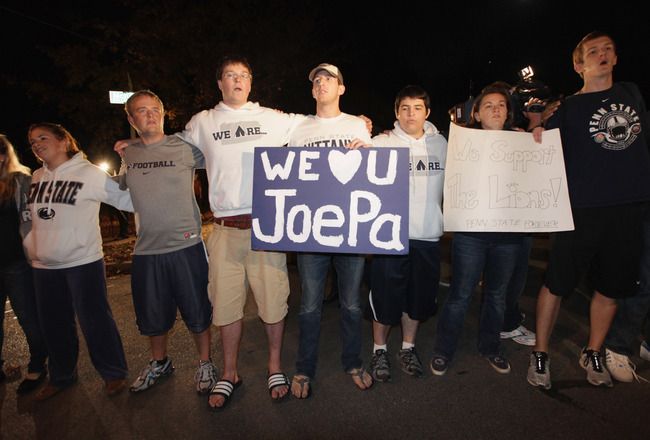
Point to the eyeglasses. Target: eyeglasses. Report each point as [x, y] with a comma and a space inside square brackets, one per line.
[234, 75]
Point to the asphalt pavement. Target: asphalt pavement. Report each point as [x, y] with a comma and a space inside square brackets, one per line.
[471, 401]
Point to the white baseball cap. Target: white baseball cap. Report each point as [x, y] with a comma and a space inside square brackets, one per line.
[329, 68]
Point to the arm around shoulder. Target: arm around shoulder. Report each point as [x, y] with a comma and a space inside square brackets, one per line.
[113, 195]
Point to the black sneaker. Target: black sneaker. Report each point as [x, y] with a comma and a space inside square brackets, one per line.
[410, 362]
[380, 366]
[499, 363]
[439, 365]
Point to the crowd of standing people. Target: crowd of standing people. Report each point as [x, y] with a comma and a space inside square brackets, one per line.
[52, 267]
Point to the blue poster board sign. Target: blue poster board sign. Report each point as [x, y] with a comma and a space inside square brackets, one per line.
[331, 200]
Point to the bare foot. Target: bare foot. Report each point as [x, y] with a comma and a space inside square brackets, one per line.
[361, 378]
[278, 391]
[218, 400]
[300, 386]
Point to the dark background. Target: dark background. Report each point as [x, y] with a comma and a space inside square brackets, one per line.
[59, 59]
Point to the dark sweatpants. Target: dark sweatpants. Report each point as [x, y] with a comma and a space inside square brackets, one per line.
[60, 293]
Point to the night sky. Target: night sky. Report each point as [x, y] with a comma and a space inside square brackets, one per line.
[60, 61]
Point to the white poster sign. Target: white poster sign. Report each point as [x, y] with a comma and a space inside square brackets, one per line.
[503, 181]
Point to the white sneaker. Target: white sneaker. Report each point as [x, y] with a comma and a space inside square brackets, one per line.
[521, 335]
[597, 374]
[206, 377]
[644, 351]
[152, 374]
[620, 366]
[539, 373]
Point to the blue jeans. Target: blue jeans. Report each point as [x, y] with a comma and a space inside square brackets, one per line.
[313, 273]
[512, 317]
[632, 311]
[470, 257]
[16, 283]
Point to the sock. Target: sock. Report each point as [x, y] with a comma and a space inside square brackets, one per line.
[407, 345]
[376, 347]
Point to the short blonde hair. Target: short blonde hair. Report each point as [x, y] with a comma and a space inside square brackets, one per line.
[139, 93]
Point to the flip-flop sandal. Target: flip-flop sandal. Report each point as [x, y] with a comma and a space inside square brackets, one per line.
[302, 381]
[224, 388]
[359, 372]
[278, 380]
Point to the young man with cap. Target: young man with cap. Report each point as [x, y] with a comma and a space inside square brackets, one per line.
[329, 128]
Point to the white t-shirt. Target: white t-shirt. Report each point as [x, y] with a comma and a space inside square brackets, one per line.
[338, 131]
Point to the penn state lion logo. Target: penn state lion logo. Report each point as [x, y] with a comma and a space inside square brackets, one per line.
[616, 127]
[46, 214]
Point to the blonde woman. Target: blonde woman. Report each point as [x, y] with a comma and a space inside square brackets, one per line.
[15, 273]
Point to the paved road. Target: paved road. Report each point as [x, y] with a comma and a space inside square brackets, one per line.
[470, 402]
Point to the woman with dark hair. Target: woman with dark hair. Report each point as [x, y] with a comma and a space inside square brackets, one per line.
[492, 255]
[65, 249]
[15, 273]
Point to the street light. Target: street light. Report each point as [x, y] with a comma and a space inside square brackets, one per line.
[118, 96]
[104, 166]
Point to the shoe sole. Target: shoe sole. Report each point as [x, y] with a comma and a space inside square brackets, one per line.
[599, 383]
[522, 340]
[539, 385]
[412, 373]
[511, 335]
[379, 379]
[644, 353]
[595, 383]
[500, 370]
[436, 372]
